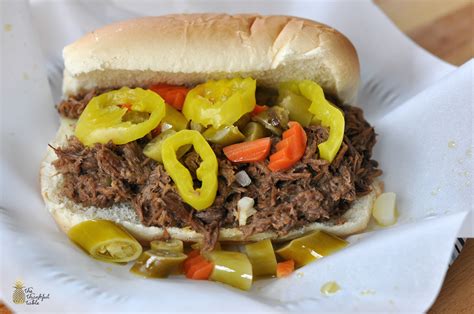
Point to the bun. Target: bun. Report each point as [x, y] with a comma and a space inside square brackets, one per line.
[193, 48]
[66, 213]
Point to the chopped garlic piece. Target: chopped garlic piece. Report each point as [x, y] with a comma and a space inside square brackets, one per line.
[245, 209]
[385, 210]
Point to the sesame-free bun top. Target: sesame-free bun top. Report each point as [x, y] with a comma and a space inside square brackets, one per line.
[193, 48]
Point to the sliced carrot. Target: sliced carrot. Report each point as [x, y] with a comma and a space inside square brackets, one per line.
[297, 146]
[283, 144]
[200, 271]
[285, 268]
[252, 151]
[191, 260]
[258, 109]
[204, 272]
[298, 129]
[197, 267]
[290, 149]
[171, 94]
[280, 155]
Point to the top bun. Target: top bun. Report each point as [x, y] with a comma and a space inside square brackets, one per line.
[193, 48]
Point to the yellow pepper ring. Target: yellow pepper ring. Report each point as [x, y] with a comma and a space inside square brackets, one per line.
[102, 122]
[203, 197]
[220, 103]
[329, 115]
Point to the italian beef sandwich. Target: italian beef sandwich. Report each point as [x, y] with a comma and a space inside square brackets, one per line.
[212, 127]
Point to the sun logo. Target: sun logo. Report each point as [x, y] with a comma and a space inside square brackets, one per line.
[18, 295]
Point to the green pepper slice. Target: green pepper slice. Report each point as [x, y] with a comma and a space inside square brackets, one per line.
[262, 257]
[154, 147]
[311, 247]
[157, 263]
[274, 119]
[253, 131]
[196, 126]
[102, 119]
[225, 135]
[105, 241]
[173, 119]
[219, 103]
[325, 113]
[168, 245]
[232, 268]
[242, 122]
[200, 198]
[296, 105]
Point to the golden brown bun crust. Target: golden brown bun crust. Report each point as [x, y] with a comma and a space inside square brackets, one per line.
[192, 48]
[66, 213]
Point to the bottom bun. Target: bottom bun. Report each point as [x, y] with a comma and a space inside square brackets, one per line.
[67, 213]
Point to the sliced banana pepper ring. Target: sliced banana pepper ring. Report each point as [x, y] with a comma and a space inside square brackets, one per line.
[103, 120]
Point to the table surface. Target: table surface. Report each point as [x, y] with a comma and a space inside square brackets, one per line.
[445, 28]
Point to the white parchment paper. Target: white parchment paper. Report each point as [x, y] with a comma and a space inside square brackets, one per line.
[420, 106]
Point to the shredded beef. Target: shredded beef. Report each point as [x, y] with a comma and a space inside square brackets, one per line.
[158, 204]
[103, 174]
[73, 106]
[313, 190]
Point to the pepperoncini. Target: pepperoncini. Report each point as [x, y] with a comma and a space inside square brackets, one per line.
[297, 105]
[153, 148]
[168, 245]
[275, 119]
[105, 241]
[311, 247]
[325, 112]
[173, 119]
[157, 263]
[196, 126]
[200, 198]
[220, 103]
[262, 257]
[232, 268]
[253, 131]
[103, 118]
[225, 135]
[243, 121]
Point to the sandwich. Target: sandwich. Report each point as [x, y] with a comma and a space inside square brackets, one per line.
[212, 128]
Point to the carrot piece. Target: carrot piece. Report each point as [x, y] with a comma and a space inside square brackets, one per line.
[193, 257]
[283, 144]
[281, 155]
[204, 272]
[258, 109]
[188, 263]
[280, 164]
[200, 271]
[297, 127]
[197, 267]
[290, 149]
[252, 151]
[171, 94]
[285, 268]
